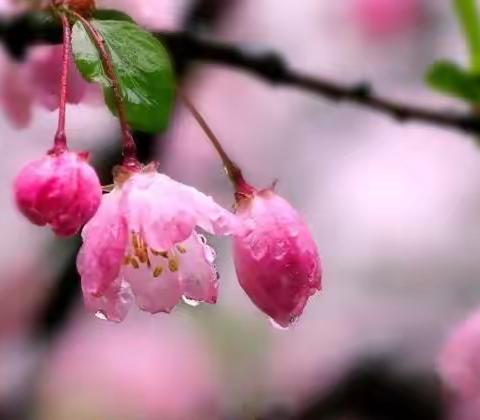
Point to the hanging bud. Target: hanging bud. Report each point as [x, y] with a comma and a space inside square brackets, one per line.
[60, 190]
[276, 259]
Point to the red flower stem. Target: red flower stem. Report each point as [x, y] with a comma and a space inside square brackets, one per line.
[231, 168]
[60, 142]
[129, 147]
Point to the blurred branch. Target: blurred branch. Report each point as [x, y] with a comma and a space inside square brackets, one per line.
[19, 33]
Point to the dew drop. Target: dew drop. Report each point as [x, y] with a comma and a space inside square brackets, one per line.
[101, 315]
[191, 302]
[293, 231]
[210, 255]
[280, 249]
[258, 247]
[277, 326]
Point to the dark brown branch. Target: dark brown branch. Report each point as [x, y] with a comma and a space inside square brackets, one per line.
[184, 47]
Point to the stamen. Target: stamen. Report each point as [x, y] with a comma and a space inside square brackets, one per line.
[135, 241]
[173, 264]
[157, 272]
[134, 263]
[181, 249]
[163, 254]
[142, 256]
[126, 260]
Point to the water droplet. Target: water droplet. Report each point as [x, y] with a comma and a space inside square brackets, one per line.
[190, 302]
[277, 326]
[293, 231]
[258, 247]
[101, 315]
[280, 249]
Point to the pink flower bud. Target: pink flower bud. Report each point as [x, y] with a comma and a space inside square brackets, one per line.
[61, 190]
[275, 256]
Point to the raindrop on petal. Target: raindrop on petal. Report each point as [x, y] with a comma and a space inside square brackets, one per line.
[280, 249]
[277, 326]
[190, 302]
[258, 247]
[101, 315]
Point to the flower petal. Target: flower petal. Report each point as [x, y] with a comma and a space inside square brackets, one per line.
[104, 242]
[113, 304]
[198, 274]
[154, 294]
[166, 212]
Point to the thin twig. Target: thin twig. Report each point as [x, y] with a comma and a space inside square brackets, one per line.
[60, 136]
[19, 33]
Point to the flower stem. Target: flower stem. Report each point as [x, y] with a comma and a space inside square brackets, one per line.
[60, 142]
[231, 168]
[129, 147]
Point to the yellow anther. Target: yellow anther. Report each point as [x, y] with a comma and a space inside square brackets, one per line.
[142, 256]
[173, 265]
[158, 271]
[163, 254]
[136, 241]
[134, 262]
[181, 249]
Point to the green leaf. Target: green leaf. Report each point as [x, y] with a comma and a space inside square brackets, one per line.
[142, 67]
[468, 16]
[111, 14]
[451, 79]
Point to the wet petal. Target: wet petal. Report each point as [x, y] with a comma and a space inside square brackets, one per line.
[166, 212]
[104, 242]
[198, 274]
[154, 291]
[113, 305]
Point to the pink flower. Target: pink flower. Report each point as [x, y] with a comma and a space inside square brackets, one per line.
[15, 94]
[387, 17]
[459, 360]
[143, 240]
[161, 371]
[44, 70]
[60, 190]
[158, 14]
[37, 81]
[276, 259]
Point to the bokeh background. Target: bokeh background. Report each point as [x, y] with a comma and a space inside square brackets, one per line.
[394, 210]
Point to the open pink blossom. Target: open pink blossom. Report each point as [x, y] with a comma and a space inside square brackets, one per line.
[60, 190]
[143, 240]
[459, 360]
[276, 259]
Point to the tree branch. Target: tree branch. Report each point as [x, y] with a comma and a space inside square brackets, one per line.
[19, 33]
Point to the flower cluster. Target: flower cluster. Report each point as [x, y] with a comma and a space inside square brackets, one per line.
[141, 240]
